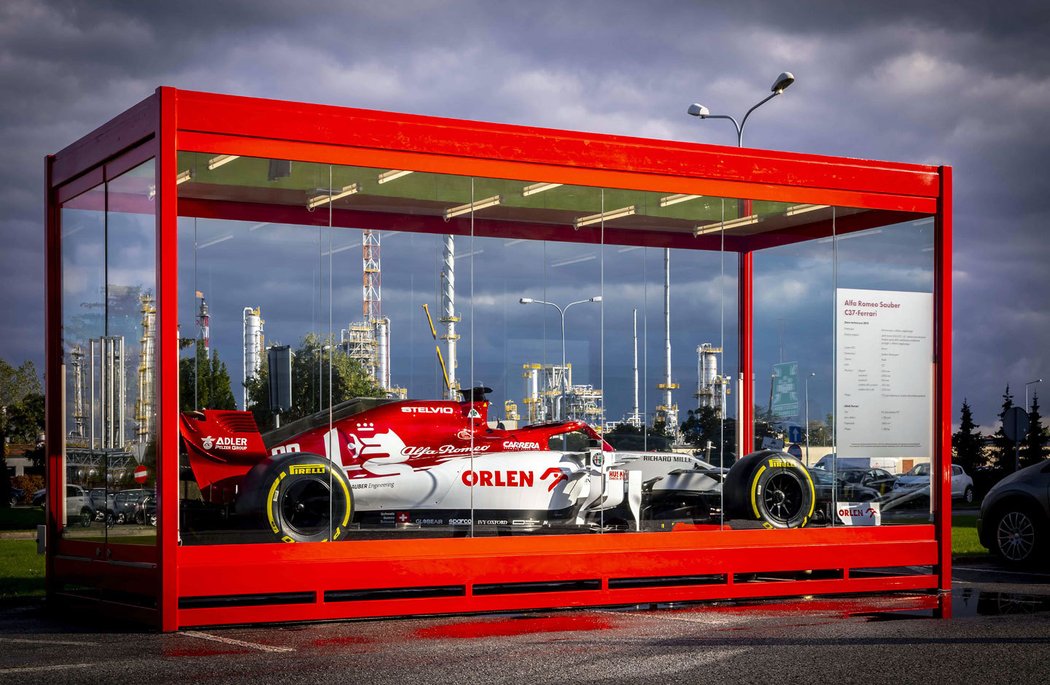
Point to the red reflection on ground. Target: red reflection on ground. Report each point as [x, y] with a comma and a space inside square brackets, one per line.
[843, 607]
[519, 626]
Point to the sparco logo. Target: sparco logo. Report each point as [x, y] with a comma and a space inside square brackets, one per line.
[427, 410]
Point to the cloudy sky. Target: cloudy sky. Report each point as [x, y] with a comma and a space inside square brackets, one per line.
[959, 83]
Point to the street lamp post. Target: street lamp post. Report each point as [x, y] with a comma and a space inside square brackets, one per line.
[1037, 380]
[561, 311]
[785, 79]
[811, 375]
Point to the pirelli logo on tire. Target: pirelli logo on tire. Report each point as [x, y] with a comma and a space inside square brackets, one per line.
[781, 464]
[307, 470]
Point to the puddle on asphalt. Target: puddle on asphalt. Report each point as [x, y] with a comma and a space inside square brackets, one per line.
[973, 602]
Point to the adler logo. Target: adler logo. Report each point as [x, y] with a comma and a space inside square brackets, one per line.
[428, 410]
[225, 443]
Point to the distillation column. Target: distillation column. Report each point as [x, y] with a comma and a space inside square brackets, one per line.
[448, 311]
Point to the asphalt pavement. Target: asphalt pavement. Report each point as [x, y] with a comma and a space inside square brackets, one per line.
[999, 632]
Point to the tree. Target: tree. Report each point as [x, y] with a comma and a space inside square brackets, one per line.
[1003, 446]
[15, 386]
[967, 442]
[313, 363]
[204, 382]
[1033, 449]
[705, 425]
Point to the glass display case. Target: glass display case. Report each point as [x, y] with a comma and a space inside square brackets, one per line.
[431, 363]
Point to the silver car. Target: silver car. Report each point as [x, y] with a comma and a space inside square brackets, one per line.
[1013, 521]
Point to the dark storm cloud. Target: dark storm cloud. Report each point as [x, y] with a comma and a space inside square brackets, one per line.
[960, 83]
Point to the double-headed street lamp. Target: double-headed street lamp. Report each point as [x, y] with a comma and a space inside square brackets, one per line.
[561, 311]
[783, 81]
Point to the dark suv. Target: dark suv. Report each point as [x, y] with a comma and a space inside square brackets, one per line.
[126, 504]
[1014, 521]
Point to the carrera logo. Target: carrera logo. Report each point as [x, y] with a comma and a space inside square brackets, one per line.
[513, 445]
[499, 479]
[209, 442]
[428, 410]
[307, 470]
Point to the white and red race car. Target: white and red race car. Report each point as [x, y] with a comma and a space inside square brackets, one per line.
[430, 463]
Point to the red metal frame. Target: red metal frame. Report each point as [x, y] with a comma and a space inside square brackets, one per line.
[365, 576]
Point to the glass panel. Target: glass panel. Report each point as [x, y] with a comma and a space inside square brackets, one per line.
[461, 353]
[128, 400]
[794, 374]
[83, 226]
[109, 321]
[885, 373]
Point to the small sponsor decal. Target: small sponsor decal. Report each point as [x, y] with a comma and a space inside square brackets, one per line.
[617, 475]
[307, 469]
[860, 514]
[427, 410]
[459, 522]
[520, 445]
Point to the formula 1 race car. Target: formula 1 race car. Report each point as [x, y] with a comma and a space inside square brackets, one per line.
[428, 463]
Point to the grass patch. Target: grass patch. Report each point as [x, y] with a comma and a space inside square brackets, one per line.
[21, 518]
[21, 570]
[964, 536]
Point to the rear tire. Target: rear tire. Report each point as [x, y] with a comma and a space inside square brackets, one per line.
[300, 498]
[772, 487]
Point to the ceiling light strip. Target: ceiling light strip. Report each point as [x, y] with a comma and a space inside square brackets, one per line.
[220, 160]
[472, 206]
[604, 216]
[392, 175]
[325, 198]
[802, 209]
[538, 188]
[675, 199]
[725, 225]
[183, 177]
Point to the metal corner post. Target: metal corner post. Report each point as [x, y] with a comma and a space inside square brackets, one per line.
[168, 356]
[943, 366]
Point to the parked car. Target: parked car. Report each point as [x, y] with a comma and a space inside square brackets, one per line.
[78, 506]
[825, 482]
[126, 503]
[39, 497]
[831, 462]
[1014, 521]
[880, 480]
[146, 510]
[16, 495]
[919, 477]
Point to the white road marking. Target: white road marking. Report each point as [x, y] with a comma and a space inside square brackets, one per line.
[997, 571]
[239, 643]
[27, 641]
[52, 667]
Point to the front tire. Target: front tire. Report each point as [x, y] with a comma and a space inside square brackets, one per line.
[1017, 535]
[302, 498]
[772, 487]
